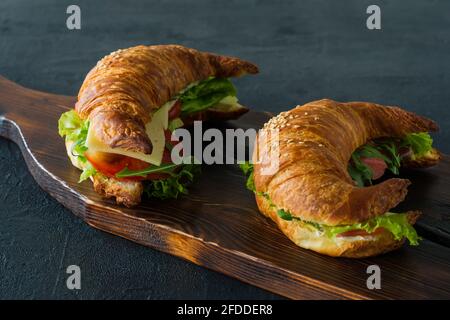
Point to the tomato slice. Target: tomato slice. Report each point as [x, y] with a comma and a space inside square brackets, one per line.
[110, 164]
[363, 233]
[107, 163]
[175, 111]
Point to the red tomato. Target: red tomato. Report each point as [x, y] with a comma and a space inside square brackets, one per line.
[109, 164]
[168, 135]
[175, 111]
[354, 233]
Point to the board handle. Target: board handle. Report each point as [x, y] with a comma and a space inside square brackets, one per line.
[23, 109]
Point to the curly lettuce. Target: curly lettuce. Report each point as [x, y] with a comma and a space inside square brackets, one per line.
[75, 129]
[396, 223]
[247, 168]
[175, 185]
[420, 143]
[180, 176]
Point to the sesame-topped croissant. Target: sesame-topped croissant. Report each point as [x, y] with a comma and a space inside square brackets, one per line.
[325, 149]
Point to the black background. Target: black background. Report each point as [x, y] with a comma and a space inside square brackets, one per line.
[306, 50]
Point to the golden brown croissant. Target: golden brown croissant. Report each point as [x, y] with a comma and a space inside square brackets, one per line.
[118, 101]
[121, 91]
[312, 184]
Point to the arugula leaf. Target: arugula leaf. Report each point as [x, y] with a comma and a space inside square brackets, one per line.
[247, 168]
[165, 168]
[420, 143]
[174, 186]
[205, 94]
[385, 150]
[360, 173]
[394, 162]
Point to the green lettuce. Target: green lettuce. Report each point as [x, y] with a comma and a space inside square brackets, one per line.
[247, 168]
[396, 223]
[175, 185]
[75, 129]
[420, 143]
[205, 94]
[360, 173]
[180, 176]
[386, 149]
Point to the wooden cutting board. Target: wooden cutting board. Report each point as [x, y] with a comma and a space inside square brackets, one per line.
[218, 225]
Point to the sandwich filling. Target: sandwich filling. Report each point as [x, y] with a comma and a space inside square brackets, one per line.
[367, 163]
[163, 179]
[370, 161]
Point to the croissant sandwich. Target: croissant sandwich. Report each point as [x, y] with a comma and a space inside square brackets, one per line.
[321, 194]
[130, 102]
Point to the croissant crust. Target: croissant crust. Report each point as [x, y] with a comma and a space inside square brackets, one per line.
[315, 142]
[121, 91]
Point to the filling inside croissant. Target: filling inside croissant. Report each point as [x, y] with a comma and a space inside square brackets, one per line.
[367, 163]
[370, 161]
[163, 178]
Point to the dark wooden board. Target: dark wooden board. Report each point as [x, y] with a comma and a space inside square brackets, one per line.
[218, 226]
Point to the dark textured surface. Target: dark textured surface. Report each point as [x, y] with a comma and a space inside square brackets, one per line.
[306, 50]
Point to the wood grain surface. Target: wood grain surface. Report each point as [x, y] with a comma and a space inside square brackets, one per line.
[218, 225]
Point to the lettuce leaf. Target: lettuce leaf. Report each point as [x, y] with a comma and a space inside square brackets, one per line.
[174, 186]
[88, 171]
[396, 223]
[75, 129]
[247, 168]
[420, 143]
[205, 94]
[70, 125]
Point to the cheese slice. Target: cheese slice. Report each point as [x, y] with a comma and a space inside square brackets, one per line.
[155, 131]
